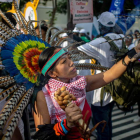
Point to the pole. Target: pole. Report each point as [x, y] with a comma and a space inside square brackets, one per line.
[69, 17]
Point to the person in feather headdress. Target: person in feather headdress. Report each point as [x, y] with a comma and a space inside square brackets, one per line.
[56, 65]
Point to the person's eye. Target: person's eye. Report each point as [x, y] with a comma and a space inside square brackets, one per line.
[63, 61]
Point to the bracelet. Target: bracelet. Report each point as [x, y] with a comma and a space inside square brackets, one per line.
[131, 53]
[61, 128]
[123, 62]
[64, 129]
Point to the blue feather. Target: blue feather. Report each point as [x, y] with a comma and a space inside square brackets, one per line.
[20, 79]
[46, 44]
[8, 63]
[6, 54]
[29, 85]
[13, 71]
[3, 48]
[34, 38]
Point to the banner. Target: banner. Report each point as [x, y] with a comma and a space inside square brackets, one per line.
[116, 7]
[6, 0]
[125, 22]
[82, 11]
[136, 2]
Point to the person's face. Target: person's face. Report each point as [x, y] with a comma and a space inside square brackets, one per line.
[75, 33]
[82, 34]
[103, 29]
[64, 68]
[43, 34]
[128, 41]
[137, 33]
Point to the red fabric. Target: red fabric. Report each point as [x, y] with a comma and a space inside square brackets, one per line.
[74, 133]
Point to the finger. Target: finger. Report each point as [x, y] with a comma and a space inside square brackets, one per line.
[135, 57]
[70, 105]
[75, 109]
[75, 118]
[72, 113]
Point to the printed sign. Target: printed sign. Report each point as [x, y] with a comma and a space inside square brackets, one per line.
[82, 11]
[116, 7]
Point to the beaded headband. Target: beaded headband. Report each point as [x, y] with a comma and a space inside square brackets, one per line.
[52, 60]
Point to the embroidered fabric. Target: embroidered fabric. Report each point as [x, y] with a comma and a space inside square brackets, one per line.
[76, 87]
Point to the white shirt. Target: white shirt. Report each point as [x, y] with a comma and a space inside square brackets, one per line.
[101, 51]
[131, 46]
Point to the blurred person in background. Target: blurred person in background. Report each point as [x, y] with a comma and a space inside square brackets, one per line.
[137, 32]
[76, 35]
[104, 56]
[83, 35]
[44, 29]
[137, 119]
[136, 37]
[129, 42]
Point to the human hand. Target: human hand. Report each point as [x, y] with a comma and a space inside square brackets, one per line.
[73, 114]
[137, 55]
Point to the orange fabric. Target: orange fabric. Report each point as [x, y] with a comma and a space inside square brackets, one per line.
[57, 130]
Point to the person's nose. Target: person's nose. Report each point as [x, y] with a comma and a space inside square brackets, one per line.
[71, 63]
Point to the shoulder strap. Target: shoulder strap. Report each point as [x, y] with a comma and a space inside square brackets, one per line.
[123, 43]
[113, 46]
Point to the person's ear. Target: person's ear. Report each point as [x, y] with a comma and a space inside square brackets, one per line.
[52, 74]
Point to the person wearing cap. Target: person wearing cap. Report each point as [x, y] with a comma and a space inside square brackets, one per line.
[76, 31]
[101, 51]
[75, 35]
[68, 40]
[83, 35]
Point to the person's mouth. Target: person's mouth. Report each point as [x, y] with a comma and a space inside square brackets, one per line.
[74, 69]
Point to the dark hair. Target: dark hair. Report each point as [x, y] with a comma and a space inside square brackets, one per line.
[10, 17]
[43, 58]
[45, 55]
[130, 37]
[136, 31]
[44, 28]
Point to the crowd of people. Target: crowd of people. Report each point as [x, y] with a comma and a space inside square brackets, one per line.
[57, 67]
